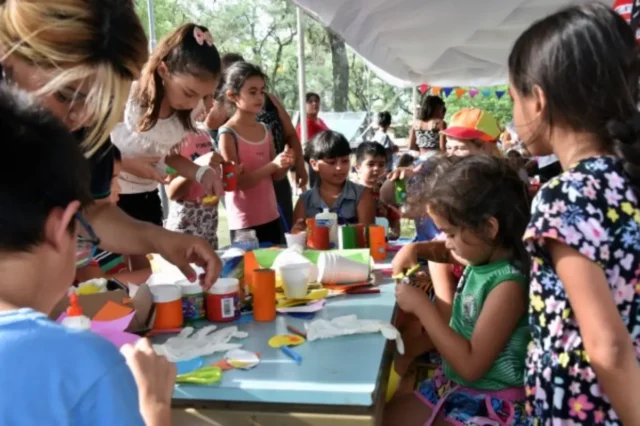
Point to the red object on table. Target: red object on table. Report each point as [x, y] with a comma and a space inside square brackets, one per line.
[319, 239]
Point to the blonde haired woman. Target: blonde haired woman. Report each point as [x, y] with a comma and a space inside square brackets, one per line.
[79, 58]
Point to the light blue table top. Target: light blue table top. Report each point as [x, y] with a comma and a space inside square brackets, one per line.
[342, 371]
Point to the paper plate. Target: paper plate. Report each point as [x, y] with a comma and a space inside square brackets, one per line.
[285, 340]
[239, 358]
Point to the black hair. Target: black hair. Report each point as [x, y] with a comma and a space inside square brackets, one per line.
[406, 160]
[384, 119]
[373, 149]
[328, 145]
[585, 60]
[117, 155]
[429, 107]
[472, 189]
[229, 59]
[182, 54]
[238, 74]
[58, 172]
[311, 95]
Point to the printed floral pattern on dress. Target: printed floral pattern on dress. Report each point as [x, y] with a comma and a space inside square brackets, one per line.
[593, 209]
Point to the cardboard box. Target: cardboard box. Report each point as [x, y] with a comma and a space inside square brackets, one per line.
[91, 304]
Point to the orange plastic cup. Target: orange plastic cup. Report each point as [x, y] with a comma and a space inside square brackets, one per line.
[168, 302]
[377, 242]
[361, 235]
[250, 265]
[320, 238]
[264, 295]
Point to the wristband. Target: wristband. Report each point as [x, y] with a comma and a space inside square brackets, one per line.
[200, 173]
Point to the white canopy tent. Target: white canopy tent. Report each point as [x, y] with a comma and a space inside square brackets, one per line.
[438, 42]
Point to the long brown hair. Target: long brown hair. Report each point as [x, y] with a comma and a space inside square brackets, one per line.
[181, 53]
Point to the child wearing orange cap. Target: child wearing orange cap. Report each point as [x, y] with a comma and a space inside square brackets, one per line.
[472, 131]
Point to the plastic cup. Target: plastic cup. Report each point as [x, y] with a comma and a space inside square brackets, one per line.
[295, 279]
[229, 177]
[168, 301]
[336, 269]
[319, 240]
[264, 295]
[377, 242]
[296, 240]
[361, 235]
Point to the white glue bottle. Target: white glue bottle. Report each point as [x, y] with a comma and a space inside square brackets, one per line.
[75, 318]
[329, 220]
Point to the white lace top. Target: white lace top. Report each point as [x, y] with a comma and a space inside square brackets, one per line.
[157, 141]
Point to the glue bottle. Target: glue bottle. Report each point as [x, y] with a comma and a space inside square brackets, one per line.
[329, 220]
[75, 318]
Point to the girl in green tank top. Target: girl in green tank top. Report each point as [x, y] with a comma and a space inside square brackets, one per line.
[482, 206]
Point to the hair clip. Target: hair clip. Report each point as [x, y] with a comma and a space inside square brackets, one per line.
[202, 37]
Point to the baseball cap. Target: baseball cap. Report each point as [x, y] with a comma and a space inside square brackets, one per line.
[473, 123]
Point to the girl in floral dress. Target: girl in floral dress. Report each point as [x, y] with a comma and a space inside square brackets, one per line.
[574, 82]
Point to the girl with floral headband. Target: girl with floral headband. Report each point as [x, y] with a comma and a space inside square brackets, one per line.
[180, 76]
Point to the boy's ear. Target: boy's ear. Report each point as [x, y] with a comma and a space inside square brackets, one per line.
[314, 164]
[357, 167]
[56, 230]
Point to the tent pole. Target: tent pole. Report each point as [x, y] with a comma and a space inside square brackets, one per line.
[152, 25]
[415, 101]
[302, 102]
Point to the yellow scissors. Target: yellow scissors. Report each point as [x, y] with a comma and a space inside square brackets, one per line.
[208, 375]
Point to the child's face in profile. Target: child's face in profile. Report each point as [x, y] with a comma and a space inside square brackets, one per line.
[371, 170]
[251, 97]
[463, 148]
[464, 243]
[115, 185]
[332, 170]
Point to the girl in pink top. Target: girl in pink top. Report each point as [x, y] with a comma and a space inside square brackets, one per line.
[192, 211]
[245, 141]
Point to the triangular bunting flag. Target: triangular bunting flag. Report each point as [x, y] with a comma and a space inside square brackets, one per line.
[447, 91]
[486, 93]
[500, 93]
[423, 88]
[473, 93]
[460, 92]
[436, 91]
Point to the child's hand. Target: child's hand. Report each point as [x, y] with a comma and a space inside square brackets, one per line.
[216, 160]
[409, 298]
[155, 377]
[403, 173]
[212, 183]
[285, 159]
[405, 259]
[299, 226]
[143, 167]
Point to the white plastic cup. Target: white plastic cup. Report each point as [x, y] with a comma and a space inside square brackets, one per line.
[295, 279]
[296, 240]
[336, 269]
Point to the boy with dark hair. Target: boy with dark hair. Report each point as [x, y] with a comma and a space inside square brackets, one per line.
[371, 162]
[381, 136]
[79, 377]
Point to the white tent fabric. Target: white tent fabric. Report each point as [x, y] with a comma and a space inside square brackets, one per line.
[438, 42]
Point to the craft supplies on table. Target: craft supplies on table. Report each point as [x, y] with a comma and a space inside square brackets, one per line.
[264, 295]
[336, 269]
[223, 300]
[168, 302]
[377, 242]
[193, 306]
[190, 344]
[347, 237]
[207, 375]
[75, 318]
[295, 279]
[285, 342]
[296, 240]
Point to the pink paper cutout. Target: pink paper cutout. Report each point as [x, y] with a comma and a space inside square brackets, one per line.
[120, 338]
[113, 331]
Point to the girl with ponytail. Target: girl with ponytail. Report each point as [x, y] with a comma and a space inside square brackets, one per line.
[574, 81]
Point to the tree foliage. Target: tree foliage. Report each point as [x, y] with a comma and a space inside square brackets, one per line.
[265, 32]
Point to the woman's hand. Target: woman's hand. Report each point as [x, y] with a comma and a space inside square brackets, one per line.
[143, 167]
[402, 173]
[302, 177]
[405, 259]
[410, 299]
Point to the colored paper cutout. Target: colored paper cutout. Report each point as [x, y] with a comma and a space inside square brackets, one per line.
[285, 340]
[500, 93]
[436, 91]
[473, 93]
[111, 311]
[423, 88]
[447, 91]
[486, 93]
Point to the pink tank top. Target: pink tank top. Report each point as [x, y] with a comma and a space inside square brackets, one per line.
[256, 205]
[195, 145]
